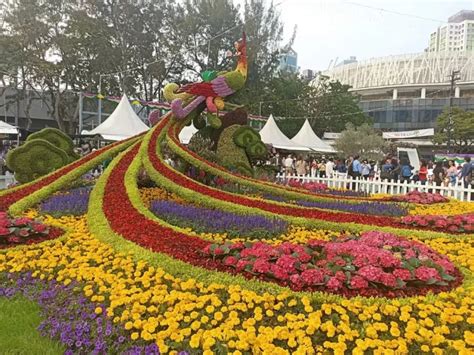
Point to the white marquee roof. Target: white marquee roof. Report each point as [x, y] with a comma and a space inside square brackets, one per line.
[307, 138]
[6, 128]
[123, 123]
[271, 134]
[186, 133]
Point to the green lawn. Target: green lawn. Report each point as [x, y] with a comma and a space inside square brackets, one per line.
[19, 319]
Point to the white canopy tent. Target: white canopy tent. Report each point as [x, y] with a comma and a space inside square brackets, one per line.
[271, 134]
[6, 128]
[123, 123]
[186, 133]
[307, 138]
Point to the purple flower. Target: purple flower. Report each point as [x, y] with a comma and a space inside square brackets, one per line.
[73, 202]
[209, 220]
[370, 208]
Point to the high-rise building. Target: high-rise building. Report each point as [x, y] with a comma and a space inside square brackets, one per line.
[456, 35]
[308, 74]
[289, 61]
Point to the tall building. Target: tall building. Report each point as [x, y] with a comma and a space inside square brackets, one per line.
[308, 74]
[289, 61]
[456, 35]
[408, 92]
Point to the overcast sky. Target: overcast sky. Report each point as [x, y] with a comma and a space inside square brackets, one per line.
[330, 29]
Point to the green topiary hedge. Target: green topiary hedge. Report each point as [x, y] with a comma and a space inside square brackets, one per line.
[230, 155]
[35, 158]
[57, 138]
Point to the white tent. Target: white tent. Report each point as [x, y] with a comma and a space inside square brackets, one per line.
[123, 123]
[186, 133]
[6, 128]
[271, 134]
[307, 138]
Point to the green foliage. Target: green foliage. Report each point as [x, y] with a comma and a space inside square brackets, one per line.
[19, 320]
[57, 138]
[257, 150]
[35, 158]
[331, 107]
[462, 130]
[203, 146]
[362, 140]
[214, 121]
[230, 155]
[245, 136]
[199, 122]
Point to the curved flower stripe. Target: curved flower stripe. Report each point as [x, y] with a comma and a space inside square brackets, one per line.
[33, 193]
[264, 186]
[158, 169]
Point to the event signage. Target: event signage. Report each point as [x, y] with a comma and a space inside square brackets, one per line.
[409, 134]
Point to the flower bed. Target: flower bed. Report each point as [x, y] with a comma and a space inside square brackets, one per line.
[71, 318]
[208, 220]
[72, 202]
[15, 231]
[374, 264]
[415, 196]
[370, 208]
[453, 224]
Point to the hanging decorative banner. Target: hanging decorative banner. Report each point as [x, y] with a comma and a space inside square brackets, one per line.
[409, 134]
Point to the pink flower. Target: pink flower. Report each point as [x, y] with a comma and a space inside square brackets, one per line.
[287, 262]
[261, 266]
[426, 273]
[334, 283]
[279, 272]
[312, 276]
[241, 264]
[388, 280]
[230, 261]
[370, 272]
[402, 274]
[358, 282]
[4, 231]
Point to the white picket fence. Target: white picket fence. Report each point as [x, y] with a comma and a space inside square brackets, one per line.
[6, 180]
[382, 186]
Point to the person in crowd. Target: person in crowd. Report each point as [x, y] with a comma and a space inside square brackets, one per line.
[341, 168]
[330, 167]
[314, 168]
[423, 172]
[405, 171]
[288, 164]
[452, 173]
[438, 174]
[396, 169]
[301, 167]
[356, 167]
[387, 168]
[322, 168]
[467, 172]
[365, 169]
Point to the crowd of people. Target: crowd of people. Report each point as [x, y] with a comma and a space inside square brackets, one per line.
[442, 173]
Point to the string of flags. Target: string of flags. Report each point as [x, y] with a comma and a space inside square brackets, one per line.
[154, 104]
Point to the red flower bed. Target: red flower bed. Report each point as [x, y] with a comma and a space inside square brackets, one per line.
[15, 231]
[416, 196]
[374, 264]
[452, 224]
[15, 195]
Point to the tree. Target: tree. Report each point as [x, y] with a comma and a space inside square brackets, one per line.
[330, 106]
[362, 140]
[462, 130]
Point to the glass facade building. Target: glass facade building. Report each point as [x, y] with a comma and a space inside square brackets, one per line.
[408, 114]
